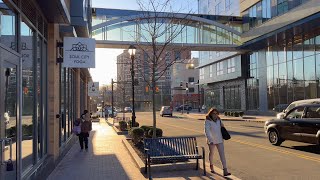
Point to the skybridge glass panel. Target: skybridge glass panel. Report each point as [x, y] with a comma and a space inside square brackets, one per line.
[189, 33]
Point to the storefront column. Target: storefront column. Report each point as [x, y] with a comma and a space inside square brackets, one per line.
[86, 95]
[53, 91]
[77, 89]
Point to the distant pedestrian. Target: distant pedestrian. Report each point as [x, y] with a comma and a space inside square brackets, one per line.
[213, 133]
[106, 113]
[86, 127]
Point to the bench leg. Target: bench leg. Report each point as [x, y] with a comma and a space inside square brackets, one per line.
[197, 167]
[149, 168]
[204, 166]
[146, 166]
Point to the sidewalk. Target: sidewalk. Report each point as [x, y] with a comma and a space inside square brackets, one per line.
[201, 116]
[107, 158]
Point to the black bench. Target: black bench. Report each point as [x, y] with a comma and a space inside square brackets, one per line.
[171, 149]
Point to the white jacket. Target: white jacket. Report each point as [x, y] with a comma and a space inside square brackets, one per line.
[212, 131]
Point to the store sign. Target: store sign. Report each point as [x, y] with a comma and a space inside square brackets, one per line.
[79, 52]
[93, 88]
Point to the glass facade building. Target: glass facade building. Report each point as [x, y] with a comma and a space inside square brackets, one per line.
[280, 66]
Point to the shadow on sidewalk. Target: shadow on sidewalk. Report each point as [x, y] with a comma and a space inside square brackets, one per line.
[99, 163]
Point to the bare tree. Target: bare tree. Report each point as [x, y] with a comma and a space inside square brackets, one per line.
[159, 30]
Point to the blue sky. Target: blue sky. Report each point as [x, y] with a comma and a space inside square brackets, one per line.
[106, 67]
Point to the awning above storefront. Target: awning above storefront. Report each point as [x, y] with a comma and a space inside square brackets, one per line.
[56, 11]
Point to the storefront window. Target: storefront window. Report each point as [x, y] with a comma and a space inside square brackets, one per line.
[232, 98]
[253, 84]
[293, 71]
[212, 98]
[8, 27]
[29, 103]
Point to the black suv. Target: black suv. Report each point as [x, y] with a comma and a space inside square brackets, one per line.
[301, 123]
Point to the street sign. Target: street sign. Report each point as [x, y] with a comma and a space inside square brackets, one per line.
[93, 88]
[79, 52]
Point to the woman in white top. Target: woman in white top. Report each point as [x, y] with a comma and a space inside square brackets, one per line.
[212, 130]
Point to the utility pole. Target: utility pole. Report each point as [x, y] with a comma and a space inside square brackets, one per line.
[199, 110]
[112, 113]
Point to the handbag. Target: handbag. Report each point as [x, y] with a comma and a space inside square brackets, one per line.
[76, 129]
[225, 134]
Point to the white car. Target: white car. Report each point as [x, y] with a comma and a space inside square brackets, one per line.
[297, 103]
[166, 110]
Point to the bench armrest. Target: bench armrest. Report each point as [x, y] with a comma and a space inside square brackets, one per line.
[203, 150]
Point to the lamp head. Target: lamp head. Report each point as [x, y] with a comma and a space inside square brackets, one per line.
[132, 50]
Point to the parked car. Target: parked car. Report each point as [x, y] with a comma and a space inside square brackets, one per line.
[114, 113]
[301, 123]
[166, 110]
[297, 103]
[186, 108]
[280, 107]
[127, 109]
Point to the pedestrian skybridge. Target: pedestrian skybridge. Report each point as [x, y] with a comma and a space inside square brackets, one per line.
[120, 28]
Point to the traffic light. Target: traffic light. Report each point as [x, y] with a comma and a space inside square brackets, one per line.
[187, 85]
[157, 89]
[147, 89]
[181, 84]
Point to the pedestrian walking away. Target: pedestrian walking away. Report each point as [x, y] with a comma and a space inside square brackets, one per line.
[86, 127]
[213, 133]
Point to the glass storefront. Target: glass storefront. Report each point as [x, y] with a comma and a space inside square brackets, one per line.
[293, 71]
[212, 98]
[253, 84]
[33, 88]
[232, 97]
[67, 103]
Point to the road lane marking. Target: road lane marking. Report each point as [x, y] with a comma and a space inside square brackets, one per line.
[258, 146]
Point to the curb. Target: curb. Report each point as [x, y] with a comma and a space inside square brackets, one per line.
[138, 162]
[119, 132]
[247, 120]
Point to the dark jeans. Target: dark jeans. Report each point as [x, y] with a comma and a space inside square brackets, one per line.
[83, 137]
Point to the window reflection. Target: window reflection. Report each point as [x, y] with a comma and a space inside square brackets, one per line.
[293, 74]
[8, 26]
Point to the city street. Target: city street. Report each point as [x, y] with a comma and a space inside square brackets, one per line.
[249, 154]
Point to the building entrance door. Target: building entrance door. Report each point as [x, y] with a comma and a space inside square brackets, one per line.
[9, 126]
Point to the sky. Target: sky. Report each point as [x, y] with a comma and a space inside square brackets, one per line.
[106, 67]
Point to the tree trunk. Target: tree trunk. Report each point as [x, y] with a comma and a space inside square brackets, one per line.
[154, 102]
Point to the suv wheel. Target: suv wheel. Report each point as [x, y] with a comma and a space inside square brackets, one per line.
[274, 138]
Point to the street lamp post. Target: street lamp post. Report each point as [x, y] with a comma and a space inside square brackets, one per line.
[199, 103]
[132, 51]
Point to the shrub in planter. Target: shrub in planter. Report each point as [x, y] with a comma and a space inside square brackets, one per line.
[123, 125]
[159, 132]
[229, 113]
[136, 134]
[232, 113]
[236, 114]
[225, 113]
[130, 122]
[146, 130]
[241, 113]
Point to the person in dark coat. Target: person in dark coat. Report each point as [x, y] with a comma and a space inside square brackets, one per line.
[86, 127]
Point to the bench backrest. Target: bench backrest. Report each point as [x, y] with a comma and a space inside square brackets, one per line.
[171, 146]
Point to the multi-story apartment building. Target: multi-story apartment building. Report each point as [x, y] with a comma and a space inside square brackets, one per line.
[184, 74]
[142, 68]
[281, 39]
